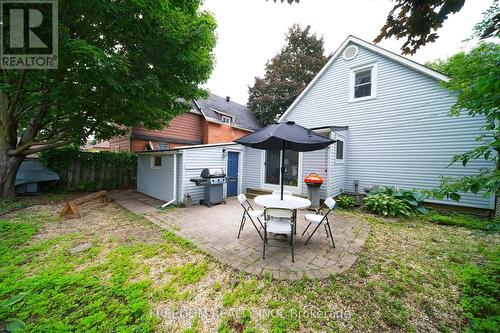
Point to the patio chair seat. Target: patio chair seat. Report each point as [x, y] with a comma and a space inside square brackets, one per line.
[255, 213]
[315, 218]
[279, 226]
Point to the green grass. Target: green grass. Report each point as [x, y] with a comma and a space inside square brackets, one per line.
[465, 221]
[412, 275]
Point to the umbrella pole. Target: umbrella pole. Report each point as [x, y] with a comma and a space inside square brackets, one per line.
[282, 169]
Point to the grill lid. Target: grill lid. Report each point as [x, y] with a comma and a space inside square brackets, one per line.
[212, 173]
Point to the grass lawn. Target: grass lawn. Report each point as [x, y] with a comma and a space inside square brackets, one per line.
[412, 275]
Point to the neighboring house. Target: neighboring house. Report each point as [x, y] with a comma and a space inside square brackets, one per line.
[212, 120]
[388, 114]
[97, 147]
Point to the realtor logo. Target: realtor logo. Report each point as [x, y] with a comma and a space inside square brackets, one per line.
[28, 34]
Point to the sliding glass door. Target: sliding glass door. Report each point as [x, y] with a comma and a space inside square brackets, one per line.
[273, 168]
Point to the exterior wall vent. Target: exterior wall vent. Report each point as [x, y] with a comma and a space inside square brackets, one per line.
[350, 52]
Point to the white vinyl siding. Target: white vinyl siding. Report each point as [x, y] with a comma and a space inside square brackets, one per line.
[404, 137]
[156, 182]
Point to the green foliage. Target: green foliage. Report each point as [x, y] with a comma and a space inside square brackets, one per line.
[121, 63]
[465, 221]
[474, 80]
[480, 297]
[386, 205]
[417, 21]
[490, 25]
[61, 159]
[345, 201]
[12, 325]
[412, 198]
[245, 292]
[60, 298]
[287, 74]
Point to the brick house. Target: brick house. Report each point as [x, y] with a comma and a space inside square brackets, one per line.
[212, 120]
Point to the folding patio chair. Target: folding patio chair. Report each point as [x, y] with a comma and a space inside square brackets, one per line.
[320, 219]
[250, 213]
[278, 221]
[278, 192]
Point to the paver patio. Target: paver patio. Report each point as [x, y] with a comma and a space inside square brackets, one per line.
[215, 230]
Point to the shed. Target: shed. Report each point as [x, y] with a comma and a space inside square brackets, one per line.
[166, 174]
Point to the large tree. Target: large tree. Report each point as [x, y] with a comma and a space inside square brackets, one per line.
[475, 79]
[287, 74]
[120, 63]
[417, 21]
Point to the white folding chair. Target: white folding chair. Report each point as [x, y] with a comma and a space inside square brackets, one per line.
[250, 213]
[278, 192]
[320, 219]
[278, 221]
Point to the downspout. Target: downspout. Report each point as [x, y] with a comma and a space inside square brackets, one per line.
[174, 194]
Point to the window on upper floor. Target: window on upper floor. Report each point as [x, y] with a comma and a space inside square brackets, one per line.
[227, 120]
[363, 83]
[162, 145]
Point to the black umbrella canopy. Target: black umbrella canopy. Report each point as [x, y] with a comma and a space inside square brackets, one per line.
[285, 136]
[288, 136]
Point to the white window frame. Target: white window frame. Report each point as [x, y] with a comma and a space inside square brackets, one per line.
[153, 166]
[229, 120]
[352, 80]
[340, 160]
[163, 143]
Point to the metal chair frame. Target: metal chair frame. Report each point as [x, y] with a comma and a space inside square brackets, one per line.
[246, 215]
[292, 223]
[323, 221]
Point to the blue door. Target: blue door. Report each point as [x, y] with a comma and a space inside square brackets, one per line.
[232, 173]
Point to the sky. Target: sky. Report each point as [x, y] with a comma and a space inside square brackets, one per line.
[250, 32]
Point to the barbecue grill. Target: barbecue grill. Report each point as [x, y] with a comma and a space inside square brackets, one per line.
[212, 181]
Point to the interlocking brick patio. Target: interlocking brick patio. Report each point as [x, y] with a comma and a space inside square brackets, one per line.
[215, 230]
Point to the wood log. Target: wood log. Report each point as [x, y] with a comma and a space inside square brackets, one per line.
[71, 211]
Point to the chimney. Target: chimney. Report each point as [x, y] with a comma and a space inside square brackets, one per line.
[228, 98]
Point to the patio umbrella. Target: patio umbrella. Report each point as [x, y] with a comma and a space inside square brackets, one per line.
[285, 136]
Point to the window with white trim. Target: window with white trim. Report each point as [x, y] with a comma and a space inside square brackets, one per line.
[227, 120]
[339, 151]
[363, 83]
[162, 145]
[156, 161]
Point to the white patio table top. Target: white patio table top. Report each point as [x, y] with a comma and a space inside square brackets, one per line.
[274, 201]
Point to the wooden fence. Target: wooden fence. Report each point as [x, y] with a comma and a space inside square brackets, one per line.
[92, 176]
[83, 171]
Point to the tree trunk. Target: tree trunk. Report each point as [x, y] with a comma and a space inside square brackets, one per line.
[9, 165]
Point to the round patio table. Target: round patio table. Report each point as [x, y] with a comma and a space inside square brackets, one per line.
[274, 201]
[288, 202]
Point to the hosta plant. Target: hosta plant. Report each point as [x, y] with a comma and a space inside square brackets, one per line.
[412, 198]
[386, 205]
[345, 201]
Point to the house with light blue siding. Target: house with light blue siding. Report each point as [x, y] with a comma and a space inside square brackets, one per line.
[389, 115]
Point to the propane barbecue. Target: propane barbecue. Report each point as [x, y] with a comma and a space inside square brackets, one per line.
[212, 181]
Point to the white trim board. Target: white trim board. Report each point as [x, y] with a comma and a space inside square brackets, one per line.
[376, 49]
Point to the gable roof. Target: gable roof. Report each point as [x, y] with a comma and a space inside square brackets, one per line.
[376, 49]
[215, 106]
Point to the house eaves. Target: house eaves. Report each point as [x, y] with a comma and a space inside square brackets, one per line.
[376, 49]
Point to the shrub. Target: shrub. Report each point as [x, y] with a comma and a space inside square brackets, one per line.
[384, 204]
[412, 198]
[345, 201]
